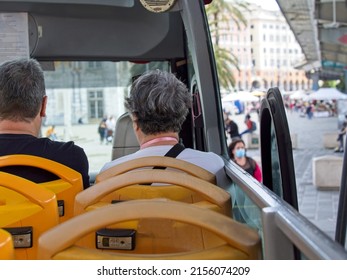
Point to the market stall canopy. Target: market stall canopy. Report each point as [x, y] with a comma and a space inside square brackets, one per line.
[326, 94]
[300, 94]
[241, 96]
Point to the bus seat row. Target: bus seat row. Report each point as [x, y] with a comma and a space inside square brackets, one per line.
[192, 233]
[147, 237]
[132, 185]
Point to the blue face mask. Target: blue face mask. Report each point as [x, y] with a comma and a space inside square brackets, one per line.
[240, 153]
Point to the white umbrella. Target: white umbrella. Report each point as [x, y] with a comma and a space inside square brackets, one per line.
[298, 95]
[326, 94]
[241, 96]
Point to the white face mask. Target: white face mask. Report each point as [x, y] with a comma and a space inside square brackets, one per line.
[240, 153]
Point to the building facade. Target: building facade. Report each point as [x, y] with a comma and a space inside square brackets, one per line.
[85, 91]
[266, 50]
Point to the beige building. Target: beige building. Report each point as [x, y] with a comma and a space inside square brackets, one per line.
[267, 52]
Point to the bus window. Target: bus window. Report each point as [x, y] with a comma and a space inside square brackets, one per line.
[82, 93]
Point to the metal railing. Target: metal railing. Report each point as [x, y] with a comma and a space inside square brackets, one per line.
[282, 227]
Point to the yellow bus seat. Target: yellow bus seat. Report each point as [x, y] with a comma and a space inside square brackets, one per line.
[130, 186]
[65, 188]
[6, 245]
[162, 161]
[26, 211]
[89, 240]
[165, 229]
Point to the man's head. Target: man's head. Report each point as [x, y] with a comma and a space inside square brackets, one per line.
[158, 102]
[22, 90]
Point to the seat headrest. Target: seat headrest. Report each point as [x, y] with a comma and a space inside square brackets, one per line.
[124, 140]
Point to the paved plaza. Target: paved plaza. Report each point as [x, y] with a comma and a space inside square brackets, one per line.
[317, 205]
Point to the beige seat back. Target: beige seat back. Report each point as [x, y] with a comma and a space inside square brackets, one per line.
[160, 161]
[130, 186]
[174, 230]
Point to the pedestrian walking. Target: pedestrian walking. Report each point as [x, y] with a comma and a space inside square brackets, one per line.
[102, 130]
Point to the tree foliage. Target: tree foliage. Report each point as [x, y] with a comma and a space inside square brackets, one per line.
[220, 13]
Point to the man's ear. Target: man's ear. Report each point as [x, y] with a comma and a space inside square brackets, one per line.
[43, 107]
[134, 121]
[137, 131]
[135, 126]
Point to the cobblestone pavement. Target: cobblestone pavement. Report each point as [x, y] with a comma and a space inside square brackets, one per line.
[317, 205]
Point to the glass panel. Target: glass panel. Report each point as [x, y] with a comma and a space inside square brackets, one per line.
[245, 210]
[99, 94]
[92, 109]
[276, 168]
[100, 109]
[81, 93]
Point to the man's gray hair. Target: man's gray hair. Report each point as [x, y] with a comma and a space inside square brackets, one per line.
[22, 88]
[159, 102]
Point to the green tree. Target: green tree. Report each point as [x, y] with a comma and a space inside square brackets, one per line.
[335, 84]
[220, 13]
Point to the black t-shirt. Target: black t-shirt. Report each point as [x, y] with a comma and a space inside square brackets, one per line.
[66, 153]
[232, 129]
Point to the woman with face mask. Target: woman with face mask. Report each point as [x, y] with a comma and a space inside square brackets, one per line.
[237, 153]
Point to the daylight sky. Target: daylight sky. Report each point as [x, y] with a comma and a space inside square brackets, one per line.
[266, 4]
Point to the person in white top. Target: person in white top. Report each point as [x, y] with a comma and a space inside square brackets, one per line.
[158, 105]
[110, 126]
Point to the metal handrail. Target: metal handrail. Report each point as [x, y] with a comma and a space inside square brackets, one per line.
[296, 228]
